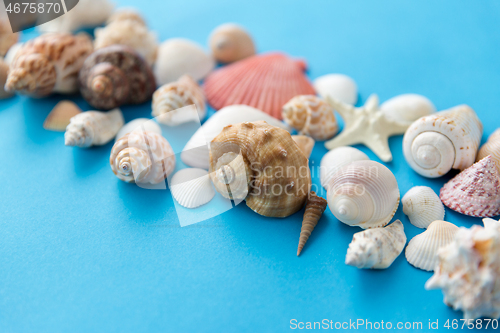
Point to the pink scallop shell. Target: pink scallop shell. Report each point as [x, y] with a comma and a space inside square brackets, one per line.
[266, 82]
[474, 191]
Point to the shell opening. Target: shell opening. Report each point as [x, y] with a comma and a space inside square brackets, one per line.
[226, 174]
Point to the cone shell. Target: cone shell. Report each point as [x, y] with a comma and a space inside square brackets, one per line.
[60, 117]
[422, 206]
[171, 97]
[376, 248]
[265, 82]
[305, 143]
[337, 86]
[315, 208]
[407, 108]
[364, 194]
[142, 157]
[492, 147]
[4, 70]
[435, 144]
[475, 191]
[230, 42]
[7, 37]
[422, 251]
[336, 159]
[139, 125]
[191, 188]
[268, 163]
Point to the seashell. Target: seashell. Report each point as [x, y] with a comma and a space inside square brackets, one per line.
[311, 116]
[363, 194]
[305, 143]
[435, 144]
[49, 63]
[492, 147]
[192, 188]
[337, 86]
[407, 108]
[335, 160]
[12, 52]
[7, 37]
[422, 250]
[87, 14]
[4, 71]
[261, 164]
[139, 125]
[114, 76]
[142, 157]
[171, 97]
[468, 271]
[315, 208]
[422, 206]
[130, 33]
[126, 14]
[474, 191]
[230, 42]
[196, 153]
[93, 128]
[60, 116]
[265, 82]
[376, 248]
[178, 57]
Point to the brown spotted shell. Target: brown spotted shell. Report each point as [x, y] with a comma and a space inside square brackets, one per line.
[114, 76]
[261, 164]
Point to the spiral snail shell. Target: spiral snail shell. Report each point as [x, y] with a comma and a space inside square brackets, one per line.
[435, 144]
[114, 76]
[261, 164]
[142, 157]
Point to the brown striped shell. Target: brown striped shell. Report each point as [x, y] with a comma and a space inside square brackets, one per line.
[261, 164]
[114, 76]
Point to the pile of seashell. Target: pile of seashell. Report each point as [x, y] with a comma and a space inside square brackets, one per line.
[260, 100]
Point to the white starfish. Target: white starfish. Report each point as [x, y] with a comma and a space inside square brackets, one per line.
[367, 125]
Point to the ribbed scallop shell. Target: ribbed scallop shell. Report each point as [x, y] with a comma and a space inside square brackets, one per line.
[376, 248]
[364, 194]
[93, 128]
[142, 157]
[422, 206]
[311, 116]
[474, 191]
[336, 159]
[265, 82]
[305, 143]
[230, 42]
[435, 144]
[422, 251]
[191, 188]
[407, 108]
[173, 96]
[492, 147]
[276, 173]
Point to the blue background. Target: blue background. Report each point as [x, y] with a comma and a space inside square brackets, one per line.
[81, 251]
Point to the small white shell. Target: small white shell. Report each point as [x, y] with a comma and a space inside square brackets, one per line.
[376, 248]
[337, 86]
[178, 57]
[93, 128]
[336, 159]
[141, 125]
[422, 206]
[422, 250]
[407, 108]
[192, 188]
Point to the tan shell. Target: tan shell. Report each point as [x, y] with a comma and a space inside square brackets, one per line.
[305, 143]
[7, 37]
[126, 14]
[230, 42]
[93, 128]
[60, 116]
[261, 164]
[492, 147]
[49, 63]
[315, 208]
[4, 71]
[311, 116]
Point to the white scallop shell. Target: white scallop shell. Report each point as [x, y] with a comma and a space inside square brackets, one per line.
[93, 128]
[338, 86]
[376, 248]
[192, 188]
[364, 194]
[177, 57]
[407, 108]
[196, 154]
[336, 159]
[423, 249]
[139, 124]
[422, 206]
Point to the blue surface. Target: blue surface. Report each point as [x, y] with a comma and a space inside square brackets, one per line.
[83, 252]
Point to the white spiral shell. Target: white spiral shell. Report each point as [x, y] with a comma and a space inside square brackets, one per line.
[407, 108]
[139, 125]
[422, 206]
[336, 159]
[192, 188]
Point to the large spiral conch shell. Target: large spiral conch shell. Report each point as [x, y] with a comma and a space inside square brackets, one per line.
[169, 100]
[49, 63]
[114, 76]
[364, 194]
[435, 144]
[311, 116]
[93, 128]
[492, 147]
[261, 164]
[142, 157]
